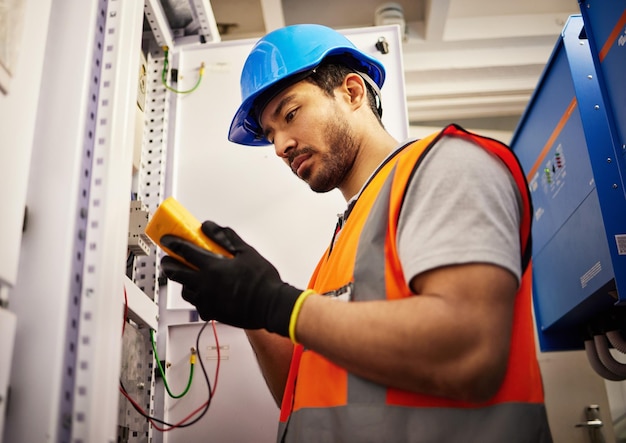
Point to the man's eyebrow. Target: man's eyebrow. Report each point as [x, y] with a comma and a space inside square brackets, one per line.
[284, 102]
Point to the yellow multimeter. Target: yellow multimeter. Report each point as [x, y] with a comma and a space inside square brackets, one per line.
[173, 218]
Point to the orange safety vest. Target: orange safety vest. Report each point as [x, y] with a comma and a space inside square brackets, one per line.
[325, 403]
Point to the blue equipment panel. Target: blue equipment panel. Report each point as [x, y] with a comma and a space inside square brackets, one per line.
[568, 146]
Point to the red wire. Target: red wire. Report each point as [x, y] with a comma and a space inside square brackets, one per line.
[212, 394]
[154, 424]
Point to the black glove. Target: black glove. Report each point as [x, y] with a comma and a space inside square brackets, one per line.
[245, 291]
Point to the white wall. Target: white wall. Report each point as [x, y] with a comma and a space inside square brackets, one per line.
[18, 111]
[422, 131]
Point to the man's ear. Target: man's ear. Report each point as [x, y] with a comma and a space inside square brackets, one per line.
[355, 88]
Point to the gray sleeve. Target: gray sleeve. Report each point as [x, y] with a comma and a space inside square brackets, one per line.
[462, 206]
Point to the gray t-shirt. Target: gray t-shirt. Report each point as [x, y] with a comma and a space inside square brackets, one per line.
[462, 206]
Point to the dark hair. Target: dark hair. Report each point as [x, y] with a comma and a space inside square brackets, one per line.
[329, 76]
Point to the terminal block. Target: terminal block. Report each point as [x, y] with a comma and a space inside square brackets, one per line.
[138, 241]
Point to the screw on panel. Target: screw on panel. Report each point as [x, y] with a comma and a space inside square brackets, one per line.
[382, 45]
[596, 107]
[614, 185]
[608, 160]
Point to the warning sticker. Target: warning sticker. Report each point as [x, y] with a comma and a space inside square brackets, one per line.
[620, 240]
[591, 273]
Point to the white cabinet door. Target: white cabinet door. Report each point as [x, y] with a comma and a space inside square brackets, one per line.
[249, 188]
[252, 191]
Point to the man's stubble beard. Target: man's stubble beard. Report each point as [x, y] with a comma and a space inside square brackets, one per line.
[335, 164]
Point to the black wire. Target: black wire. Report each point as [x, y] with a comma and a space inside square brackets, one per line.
[130, 261]
[208, 382]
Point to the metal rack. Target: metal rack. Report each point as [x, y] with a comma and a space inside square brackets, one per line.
[69, 295]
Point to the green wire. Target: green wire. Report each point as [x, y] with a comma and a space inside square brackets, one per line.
[156, 356]
[164, 75]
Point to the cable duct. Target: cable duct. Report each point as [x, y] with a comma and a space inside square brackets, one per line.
[600, 358]
[616, 339]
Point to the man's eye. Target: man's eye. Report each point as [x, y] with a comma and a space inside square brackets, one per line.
[290, 115]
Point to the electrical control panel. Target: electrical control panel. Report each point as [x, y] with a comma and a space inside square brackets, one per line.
[573, 158]
[138, 241]
[117, 331]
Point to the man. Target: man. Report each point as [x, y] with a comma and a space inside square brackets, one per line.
[423, 330]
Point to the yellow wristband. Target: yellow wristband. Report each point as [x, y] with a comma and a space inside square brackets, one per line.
[296, 312]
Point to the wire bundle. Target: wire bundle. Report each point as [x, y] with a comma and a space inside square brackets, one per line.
[202, 409]
[166, 68]
[192, 363]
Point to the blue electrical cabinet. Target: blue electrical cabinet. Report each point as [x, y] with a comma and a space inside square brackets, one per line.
[571, 148]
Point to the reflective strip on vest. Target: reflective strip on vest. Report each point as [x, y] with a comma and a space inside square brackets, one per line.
[504, 423]
[324, 403]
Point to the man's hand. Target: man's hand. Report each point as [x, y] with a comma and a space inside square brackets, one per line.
[245, 291]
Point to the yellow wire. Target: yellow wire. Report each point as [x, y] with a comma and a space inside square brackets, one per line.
[164, 75]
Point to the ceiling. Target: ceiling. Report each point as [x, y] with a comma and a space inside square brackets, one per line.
[475, 61]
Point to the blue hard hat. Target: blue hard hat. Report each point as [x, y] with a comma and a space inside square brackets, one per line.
[290, 53]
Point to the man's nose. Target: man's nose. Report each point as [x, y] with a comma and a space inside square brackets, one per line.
[283, 144]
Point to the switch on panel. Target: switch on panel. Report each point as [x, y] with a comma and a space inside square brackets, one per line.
[138, 241]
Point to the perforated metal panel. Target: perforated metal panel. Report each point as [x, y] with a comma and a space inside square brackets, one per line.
[69, 295]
